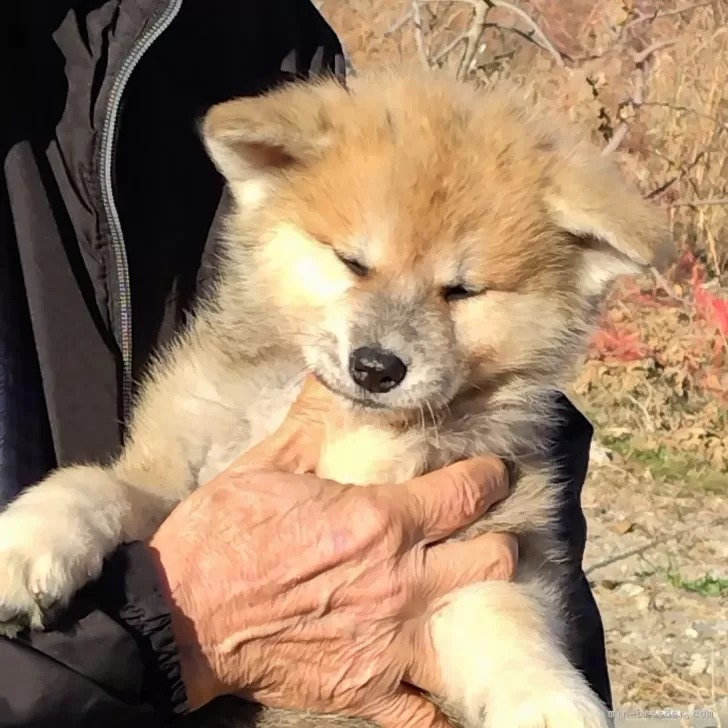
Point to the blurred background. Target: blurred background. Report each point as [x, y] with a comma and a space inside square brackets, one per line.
[649, 81]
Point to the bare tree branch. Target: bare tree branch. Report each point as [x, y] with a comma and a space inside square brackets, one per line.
[686, 109]
[684, 173]
[664, 187]
[645, 547]
[657, 14]
[450, 47]
[617, 138]
[419, 33]
[702, 203]
[481, 8]
[398, 24]
[637, 99]
[472, 3]
[472, 38]
[647, 53]
[649, 18]
[543, 40]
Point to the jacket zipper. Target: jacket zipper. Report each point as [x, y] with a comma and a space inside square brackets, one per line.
[108, 142]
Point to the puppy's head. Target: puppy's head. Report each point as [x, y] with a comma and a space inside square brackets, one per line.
[416, 237]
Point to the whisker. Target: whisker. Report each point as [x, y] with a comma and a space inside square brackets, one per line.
[423, 426]
[434, 423]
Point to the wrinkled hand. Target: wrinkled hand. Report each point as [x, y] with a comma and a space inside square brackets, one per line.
[301, 593]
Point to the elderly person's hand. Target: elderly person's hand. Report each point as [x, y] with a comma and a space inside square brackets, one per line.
[302, 593]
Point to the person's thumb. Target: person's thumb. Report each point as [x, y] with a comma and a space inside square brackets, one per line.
[406, 708]
[314, 407]
[436, 505]
[297, 443]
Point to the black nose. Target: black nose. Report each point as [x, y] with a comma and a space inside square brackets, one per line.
[375, 370]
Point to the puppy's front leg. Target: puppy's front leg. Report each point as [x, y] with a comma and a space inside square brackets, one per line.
[55, 536]
[502, 666]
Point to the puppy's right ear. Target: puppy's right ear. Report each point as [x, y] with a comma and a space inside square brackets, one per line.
[617, 230]
[254, 140]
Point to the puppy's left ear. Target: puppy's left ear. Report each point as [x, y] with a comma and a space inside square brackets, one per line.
[619, 232]
[254, 140]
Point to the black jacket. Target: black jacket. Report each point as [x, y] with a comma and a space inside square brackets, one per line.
[110, 207]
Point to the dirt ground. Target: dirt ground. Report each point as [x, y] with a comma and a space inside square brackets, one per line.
[649, 79]
[658, 563]
[657, 502]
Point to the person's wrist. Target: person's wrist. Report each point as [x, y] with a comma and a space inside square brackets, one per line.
[176, 580]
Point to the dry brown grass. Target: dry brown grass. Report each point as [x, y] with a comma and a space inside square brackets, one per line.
[649, 80]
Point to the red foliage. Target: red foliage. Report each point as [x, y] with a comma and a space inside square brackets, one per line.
[712, 309]
[616, 342]
[617, 345]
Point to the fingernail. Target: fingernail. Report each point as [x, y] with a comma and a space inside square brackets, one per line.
[494, 471]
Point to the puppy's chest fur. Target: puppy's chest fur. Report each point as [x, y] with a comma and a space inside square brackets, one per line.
[366, 450]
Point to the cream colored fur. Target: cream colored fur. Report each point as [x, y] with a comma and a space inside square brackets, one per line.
[426, 184]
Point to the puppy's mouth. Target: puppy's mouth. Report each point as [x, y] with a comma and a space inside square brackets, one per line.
[363, 402]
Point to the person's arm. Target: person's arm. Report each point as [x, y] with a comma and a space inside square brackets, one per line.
[571, 444]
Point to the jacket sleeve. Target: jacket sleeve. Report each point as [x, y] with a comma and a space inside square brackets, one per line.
[571, 444]
[111, 661]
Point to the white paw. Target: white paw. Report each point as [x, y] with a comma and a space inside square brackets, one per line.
[557, 709]
[53, 540]
[40, 570]
[28, 591]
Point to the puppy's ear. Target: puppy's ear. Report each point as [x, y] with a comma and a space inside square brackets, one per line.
[253, 140]
[619, 232]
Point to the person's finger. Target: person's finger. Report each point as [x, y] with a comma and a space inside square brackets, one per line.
[406, 708]
[444, 501]
[296, 445]
[282, 451]
[452, 565]
[314, 404]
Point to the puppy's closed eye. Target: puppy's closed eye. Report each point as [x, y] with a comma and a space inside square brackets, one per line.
[355, 266]
[460, 292]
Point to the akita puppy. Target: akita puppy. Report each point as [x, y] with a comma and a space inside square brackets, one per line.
[435, 254]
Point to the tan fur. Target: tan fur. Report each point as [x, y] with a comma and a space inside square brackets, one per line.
[427, 183]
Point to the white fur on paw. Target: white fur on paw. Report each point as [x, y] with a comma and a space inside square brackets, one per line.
[53, 539]
[37, 574]
[564, 709]
[20, 607]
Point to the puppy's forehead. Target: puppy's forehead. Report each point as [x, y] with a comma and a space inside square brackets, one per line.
[422, 178]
